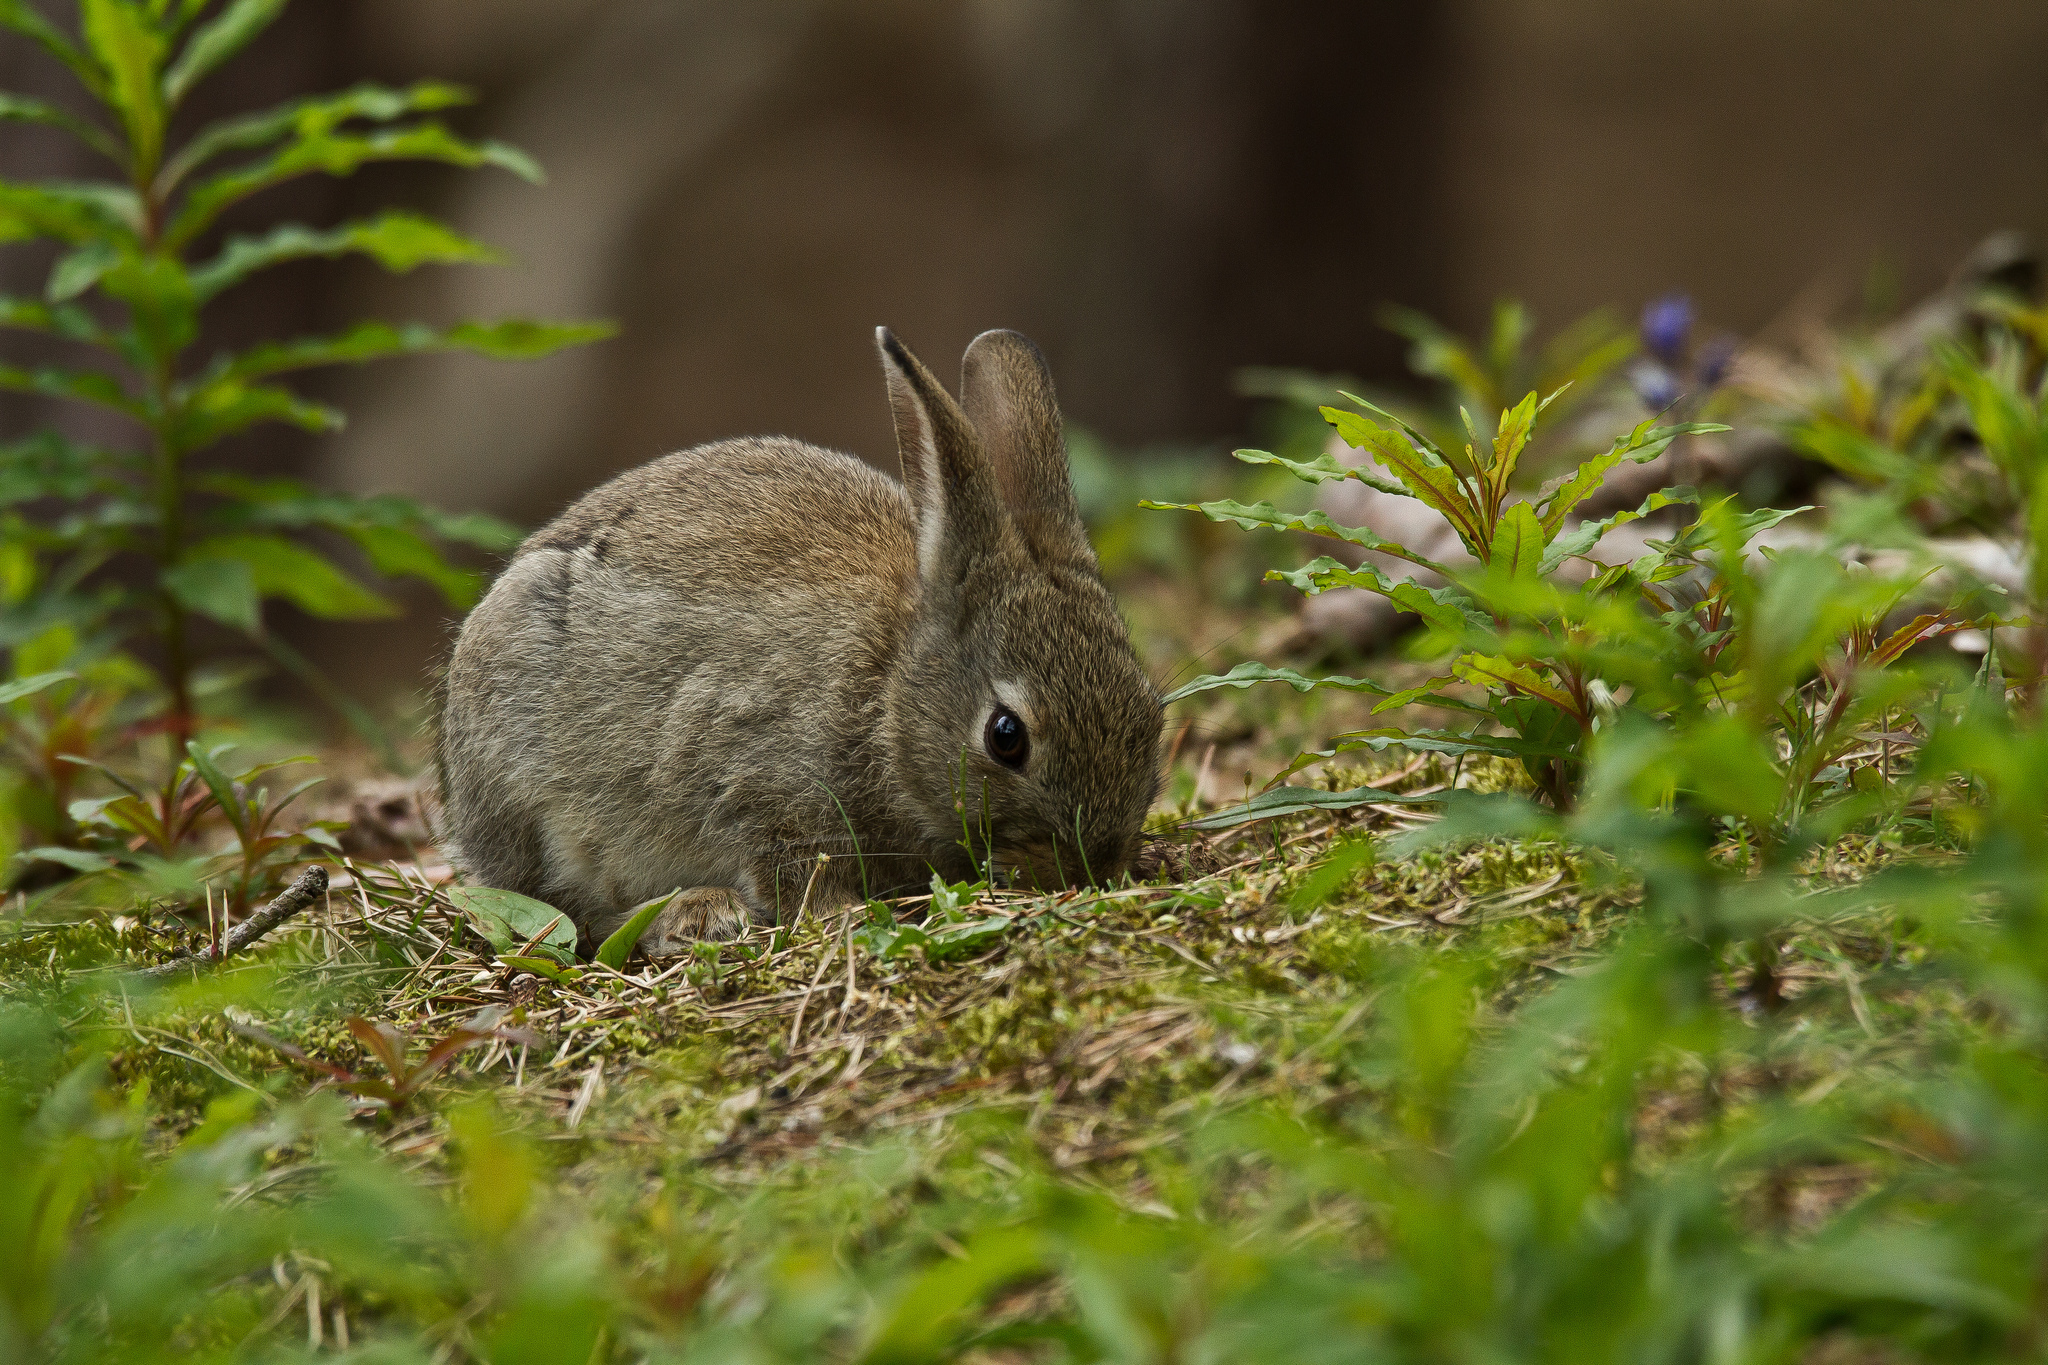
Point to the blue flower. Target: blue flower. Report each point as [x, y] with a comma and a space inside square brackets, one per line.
[1667, 324]
[1716, 358]
[1655, 385]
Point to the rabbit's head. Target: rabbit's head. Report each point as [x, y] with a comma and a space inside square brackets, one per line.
[1020, 723]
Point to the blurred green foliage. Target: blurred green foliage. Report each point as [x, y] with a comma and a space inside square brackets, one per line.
[1663, 1154]
[107, 543]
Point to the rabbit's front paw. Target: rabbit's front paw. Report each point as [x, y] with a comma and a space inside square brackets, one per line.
[701, 914]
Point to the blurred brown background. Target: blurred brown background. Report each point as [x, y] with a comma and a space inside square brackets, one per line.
[1158, 192]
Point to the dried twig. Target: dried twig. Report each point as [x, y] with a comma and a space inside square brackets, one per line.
[296, 897]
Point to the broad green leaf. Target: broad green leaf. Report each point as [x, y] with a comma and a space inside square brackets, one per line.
[305, 578]
[26, 110]
[84, 386]
[542, 967]
[1646, 442]
[1283, 801]
[218, 40]
[514, 340]
[619, 946]
[222, 590]
[336, 154]
[396, 240]
[131, 51]
[508, 921]
[1516, 549]
[1246, 674]
[1265, 515]
[1582, 538]
[480, 529]
[23, 17]
[29, 686]
[320, 114]
[77, 859]
[1324, 468]
[397, 552]
[78, 271]
[220, 408]
[1421, 473]
[223, 790]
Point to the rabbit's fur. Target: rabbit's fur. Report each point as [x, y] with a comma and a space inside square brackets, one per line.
[722, 664]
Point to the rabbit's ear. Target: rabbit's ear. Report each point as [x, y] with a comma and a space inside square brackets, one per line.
[949, 483]
[1007, 392]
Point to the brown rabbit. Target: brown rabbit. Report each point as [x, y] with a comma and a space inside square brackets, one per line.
[724, 663]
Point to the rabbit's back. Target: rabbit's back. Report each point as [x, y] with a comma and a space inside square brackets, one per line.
[671, 672]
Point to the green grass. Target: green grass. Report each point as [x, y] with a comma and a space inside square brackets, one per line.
[1135, 1125]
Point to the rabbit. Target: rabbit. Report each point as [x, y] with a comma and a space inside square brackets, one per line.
[721, 665]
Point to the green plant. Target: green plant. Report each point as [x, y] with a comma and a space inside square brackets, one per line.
[403, 1079]
[138, 838]
[1954, 443]
[1576, 366]
[142, 258]
[1535, 685]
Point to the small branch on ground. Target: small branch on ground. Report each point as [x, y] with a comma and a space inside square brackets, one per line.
[294, 898]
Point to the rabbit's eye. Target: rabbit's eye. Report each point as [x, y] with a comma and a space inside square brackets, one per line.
[1006, 739]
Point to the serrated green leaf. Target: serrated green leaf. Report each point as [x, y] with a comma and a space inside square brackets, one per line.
[1424, 475]
[398, 241]
[1646, 442]
[282, 569]
[320, 114]
[67, 321]
[1445, 608]
[76, 213]
[508, 921]
[1265, 516]
[219, 408]
[1516, 424]
[1725, 531]
[131, 51]
[1582, 538]
[1284, 801]
[1324, 468]
[513, 340]
[1501, 674]
[22, 17]
[336, 154]
[268, 503]
[217, 41]
[1247, 674]
[25, 110]
[83, 386]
